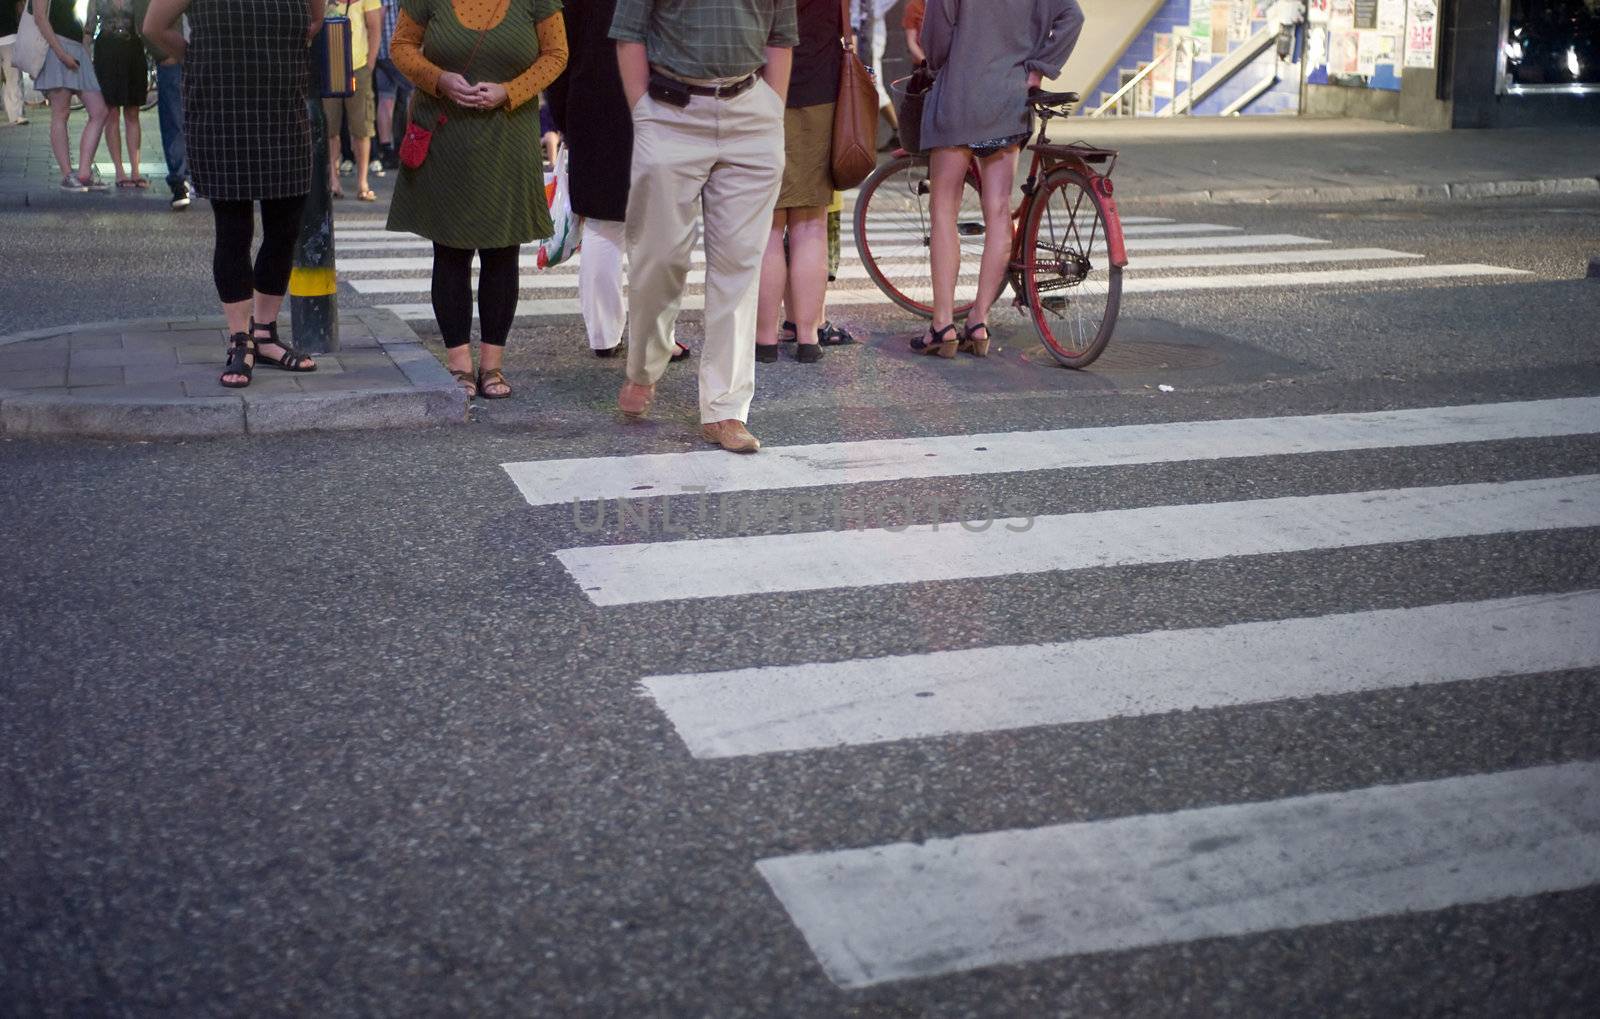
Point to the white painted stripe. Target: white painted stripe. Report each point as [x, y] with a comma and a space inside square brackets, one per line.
[1135, 284]
[1227, 259]
[875, 700]
[869, 296]
[557, 279]
[1219, 243]
[548, 482]
[903, 911]
[768, 564]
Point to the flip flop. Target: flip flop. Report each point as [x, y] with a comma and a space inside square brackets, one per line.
[141, 182]
[126, 183]
[368, 195]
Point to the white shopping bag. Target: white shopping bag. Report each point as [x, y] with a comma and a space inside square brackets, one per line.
[563, 243]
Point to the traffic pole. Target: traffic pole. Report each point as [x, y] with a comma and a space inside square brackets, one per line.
[313, 282]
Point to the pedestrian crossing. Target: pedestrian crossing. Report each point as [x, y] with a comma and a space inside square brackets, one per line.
[880, 913]
[1166, 257]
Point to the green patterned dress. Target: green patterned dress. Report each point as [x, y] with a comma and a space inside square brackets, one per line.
[482, 185]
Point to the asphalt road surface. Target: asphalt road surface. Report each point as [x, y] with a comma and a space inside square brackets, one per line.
[1260, 681]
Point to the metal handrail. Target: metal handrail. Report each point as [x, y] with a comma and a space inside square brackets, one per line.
[1133, 82]
[1237, 60]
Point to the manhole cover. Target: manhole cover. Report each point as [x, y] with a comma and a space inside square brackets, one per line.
[1129, 356]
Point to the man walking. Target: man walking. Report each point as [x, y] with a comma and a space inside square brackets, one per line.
[706, 81]
[358, 111]
[169, 111]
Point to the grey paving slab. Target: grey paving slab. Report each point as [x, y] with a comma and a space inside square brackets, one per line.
[102, 357]
[107, 375]
[33, 378]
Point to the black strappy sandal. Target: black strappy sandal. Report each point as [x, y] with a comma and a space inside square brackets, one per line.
[241, 348]
[970, 342]
[492, 377]
[831, 335]
[291, 361]
[680, 352]
[788, 332]
[935, 341]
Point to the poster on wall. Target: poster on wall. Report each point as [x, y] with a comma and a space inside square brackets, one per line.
[1365, 14]
[1317, 11]
[1166, 73]
[1221, 15]
[1200, 19]
[1392, 17]
[1144, 96]
[1344, 53]
[1422, 18]
[1239, 23]
[1342, 15]
[1183, 64]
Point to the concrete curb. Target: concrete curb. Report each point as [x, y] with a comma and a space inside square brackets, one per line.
[1375, 193]
[431, 397]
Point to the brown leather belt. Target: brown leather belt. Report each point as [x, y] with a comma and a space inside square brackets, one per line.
[715, 91]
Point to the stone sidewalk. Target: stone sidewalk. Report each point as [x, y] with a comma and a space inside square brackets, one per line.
[158, 380]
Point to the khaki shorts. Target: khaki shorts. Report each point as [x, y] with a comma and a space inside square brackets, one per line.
[359, 110]
[808, 157]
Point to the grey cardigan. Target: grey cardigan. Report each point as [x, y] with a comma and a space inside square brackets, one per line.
[982, 51]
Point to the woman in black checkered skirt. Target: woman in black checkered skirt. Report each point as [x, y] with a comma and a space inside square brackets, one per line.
[245, 82]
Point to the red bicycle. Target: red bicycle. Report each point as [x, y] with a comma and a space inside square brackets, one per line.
[1067, 254]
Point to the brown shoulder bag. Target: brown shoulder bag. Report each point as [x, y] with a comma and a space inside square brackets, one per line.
[855, 114]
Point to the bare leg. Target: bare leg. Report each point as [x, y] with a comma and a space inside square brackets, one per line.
[60, 110]
[363, 147]
[774, 275]
[135, 135]
[998, 172]
[808, 269]
[948, 177]
[90, 142]
[114, 146]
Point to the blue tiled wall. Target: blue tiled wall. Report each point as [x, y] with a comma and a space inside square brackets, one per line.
[1283, 97]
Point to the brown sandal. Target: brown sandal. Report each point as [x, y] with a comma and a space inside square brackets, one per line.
[492, 377]
[468, 383]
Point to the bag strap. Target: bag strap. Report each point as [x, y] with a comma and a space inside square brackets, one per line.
[848, 39]
[493, 21]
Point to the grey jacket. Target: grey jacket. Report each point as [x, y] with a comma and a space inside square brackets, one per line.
[982, 51]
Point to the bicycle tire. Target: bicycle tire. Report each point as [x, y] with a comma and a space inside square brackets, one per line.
[1075, 326]
[893, 232]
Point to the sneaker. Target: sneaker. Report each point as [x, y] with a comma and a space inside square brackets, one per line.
[347, 168]
[181, 198]
[71, 183]
[376, 168]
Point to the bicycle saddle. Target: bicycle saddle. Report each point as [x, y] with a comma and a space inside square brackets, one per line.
[1039, 97]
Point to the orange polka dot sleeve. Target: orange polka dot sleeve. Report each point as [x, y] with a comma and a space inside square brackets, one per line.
[406, 50]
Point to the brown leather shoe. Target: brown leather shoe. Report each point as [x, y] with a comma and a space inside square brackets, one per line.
[635, 399]
[731, 435]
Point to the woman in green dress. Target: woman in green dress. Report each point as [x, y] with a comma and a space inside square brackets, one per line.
[479, 66]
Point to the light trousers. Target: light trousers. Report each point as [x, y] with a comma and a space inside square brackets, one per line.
[721, 161]
[11, 89]
[600, 279]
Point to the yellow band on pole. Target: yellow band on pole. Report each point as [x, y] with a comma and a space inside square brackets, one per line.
[312, 282]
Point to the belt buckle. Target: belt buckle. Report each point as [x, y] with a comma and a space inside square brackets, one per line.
[731, 90]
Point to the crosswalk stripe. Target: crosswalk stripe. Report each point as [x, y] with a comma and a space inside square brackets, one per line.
[356, 237]
[874, 700]
[842, 297]
[978, 547]
[555, 280]
[904, 911]
[401, 263]
[551, 482]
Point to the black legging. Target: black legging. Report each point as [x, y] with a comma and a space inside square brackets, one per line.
[230, 260]
[497, 293]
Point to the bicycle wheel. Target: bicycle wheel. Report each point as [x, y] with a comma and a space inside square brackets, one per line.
[893, 230]
[1071, 288]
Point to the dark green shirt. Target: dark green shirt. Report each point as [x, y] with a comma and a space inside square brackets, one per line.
[64, 19]
[707, 38]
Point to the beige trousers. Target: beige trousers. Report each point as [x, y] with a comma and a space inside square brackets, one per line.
[720, 159]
